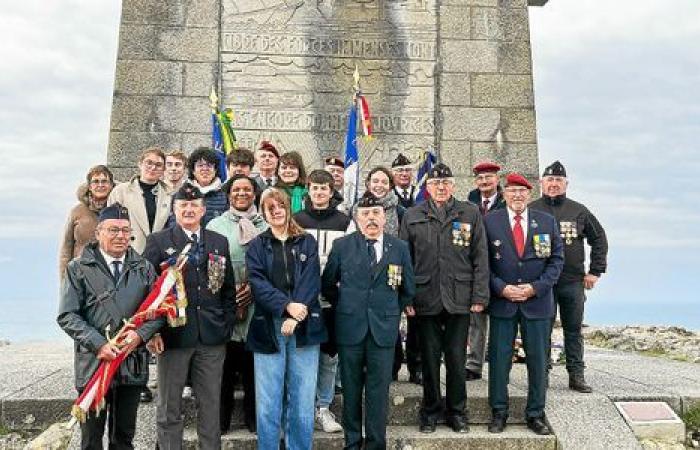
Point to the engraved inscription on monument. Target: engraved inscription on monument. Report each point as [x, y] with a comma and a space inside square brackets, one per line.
[287, 72]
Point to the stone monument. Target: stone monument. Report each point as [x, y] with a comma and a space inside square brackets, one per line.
[451, 75]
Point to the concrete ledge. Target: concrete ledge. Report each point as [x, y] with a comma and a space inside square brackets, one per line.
[653, 420]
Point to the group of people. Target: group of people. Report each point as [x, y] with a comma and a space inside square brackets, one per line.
[297, 293]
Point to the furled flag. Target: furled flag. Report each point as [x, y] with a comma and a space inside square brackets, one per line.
[352, 163]
[426, 163]
[222, 136]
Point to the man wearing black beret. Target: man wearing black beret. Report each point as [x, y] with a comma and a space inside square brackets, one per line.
[576, 223]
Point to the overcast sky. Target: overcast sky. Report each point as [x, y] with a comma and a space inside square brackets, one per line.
[617, 99]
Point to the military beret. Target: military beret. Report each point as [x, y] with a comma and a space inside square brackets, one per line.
[401, 161]
[440, 170]
[268, 147]
[188, 193]
[114, 211]
[334, 161]
[556, 169]
[515, 179]
[486, 167]
[369, 200]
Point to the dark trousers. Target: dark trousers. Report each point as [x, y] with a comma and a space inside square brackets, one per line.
[443, 334]
[535, 335]
[238, 361]
[122, 402]
[412, 350]
[365, 366]
[570, 298]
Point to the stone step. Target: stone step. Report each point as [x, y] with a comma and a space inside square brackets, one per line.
[409, 438]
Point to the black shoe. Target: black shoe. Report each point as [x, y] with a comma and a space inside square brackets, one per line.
[251, 426]
[458, 424]
[146, 396]
[498, 423]
[539, 425]
[471, 375]
[578, 383]
[427, 426]
[416, 378]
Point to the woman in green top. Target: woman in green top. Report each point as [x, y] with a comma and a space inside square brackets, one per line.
[240, 224]
[291, 178]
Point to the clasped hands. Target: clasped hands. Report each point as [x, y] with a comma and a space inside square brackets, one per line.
[298, 312]
[518, 293]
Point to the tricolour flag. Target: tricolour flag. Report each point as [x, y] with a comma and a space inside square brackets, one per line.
[426, 163]
[223, 138]
[352, 160]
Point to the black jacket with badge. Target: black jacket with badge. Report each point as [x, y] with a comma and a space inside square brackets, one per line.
[450, 257]
[210, 315]
[576, 223]
[90, 301]
[498, 203]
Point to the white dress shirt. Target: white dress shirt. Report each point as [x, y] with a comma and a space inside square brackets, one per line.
[379, 247]
[523, 221]
[109, 260]
[491, 200]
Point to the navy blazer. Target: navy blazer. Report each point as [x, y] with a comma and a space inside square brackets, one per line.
[271, 303]
[508, 268]
[210, 316]
[363, 300]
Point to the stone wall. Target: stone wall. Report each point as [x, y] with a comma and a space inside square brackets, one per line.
[454, 75]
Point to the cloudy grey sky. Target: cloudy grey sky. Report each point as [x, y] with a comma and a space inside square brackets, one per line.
[617, 98]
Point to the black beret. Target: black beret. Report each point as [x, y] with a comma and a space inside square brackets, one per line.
[440, 170]
[115, 211]
[556, 169]
[368, 200]
[188, 192]
[401, 161]
[334, 161]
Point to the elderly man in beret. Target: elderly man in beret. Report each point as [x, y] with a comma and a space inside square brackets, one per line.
[576, 223]
[103, 287]
[488, 196]
[448, 244]
[526, 258]
[198, 347]
[368, 305]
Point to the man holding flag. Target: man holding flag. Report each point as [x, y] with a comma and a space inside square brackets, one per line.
[103, 287]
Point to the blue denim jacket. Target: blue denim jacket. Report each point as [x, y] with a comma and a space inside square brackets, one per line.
[271, 303]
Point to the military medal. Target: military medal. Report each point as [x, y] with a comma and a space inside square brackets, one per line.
[533, 224]
[568, 231]
[216, 266]
[170, 251]
[394, 275]
[461, 234]
[497, 243]
[542, 245]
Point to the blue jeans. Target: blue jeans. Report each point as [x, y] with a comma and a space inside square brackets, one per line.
[286, 379]
[325, 388]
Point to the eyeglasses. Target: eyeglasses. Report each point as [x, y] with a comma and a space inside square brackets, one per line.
[441, 182]
[516, 191]
[114, 231]
[403, 170]
[153, 164]
[488, 177]
[203, 165]
[98, 182]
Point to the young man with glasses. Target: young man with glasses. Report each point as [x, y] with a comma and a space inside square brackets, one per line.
[146, 197]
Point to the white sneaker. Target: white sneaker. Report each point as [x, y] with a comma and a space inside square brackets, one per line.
[325, 420]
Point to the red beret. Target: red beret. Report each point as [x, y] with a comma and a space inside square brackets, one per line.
[268, 147]
[515, 179]
[486, 166]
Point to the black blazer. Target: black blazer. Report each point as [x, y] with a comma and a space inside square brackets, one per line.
[210, 316]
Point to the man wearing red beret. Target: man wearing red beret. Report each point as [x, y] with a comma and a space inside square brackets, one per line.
[488, 196]
[526, 257]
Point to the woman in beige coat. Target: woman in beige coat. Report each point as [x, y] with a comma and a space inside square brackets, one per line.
[82, 220]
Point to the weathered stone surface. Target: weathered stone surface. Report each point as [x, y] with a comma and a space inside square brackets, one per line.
[515, 57]
[202, 13]
[502, 90]
[183, 114]
[188, 44]
[171, 12]
[511, 157]
[473, 124]
[148, 78]
[191, 141]
[455, 21]
[455, 90]
[457, 155]
[518, 125]
[132, 113]
[199, 79]
[124, 147]
[503, 24]
[136, 42]
[469, 56]
[653, 420]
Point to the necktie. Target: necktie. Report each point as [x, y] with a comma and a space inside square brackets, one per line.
[116, 272]
[405, 194]
[485, 207]
[196, 248]
[519, 236]
[372, 252]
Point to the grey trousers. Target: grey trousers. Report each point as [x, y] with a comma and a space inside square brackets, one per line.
[478, 330]
[205, 365]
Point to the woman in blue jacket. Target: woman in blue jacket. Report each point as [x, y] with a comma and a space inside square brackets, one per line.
[287, 328]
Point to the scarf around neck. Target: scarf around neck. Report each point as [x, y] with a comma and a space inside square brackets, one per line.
[248, 222]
